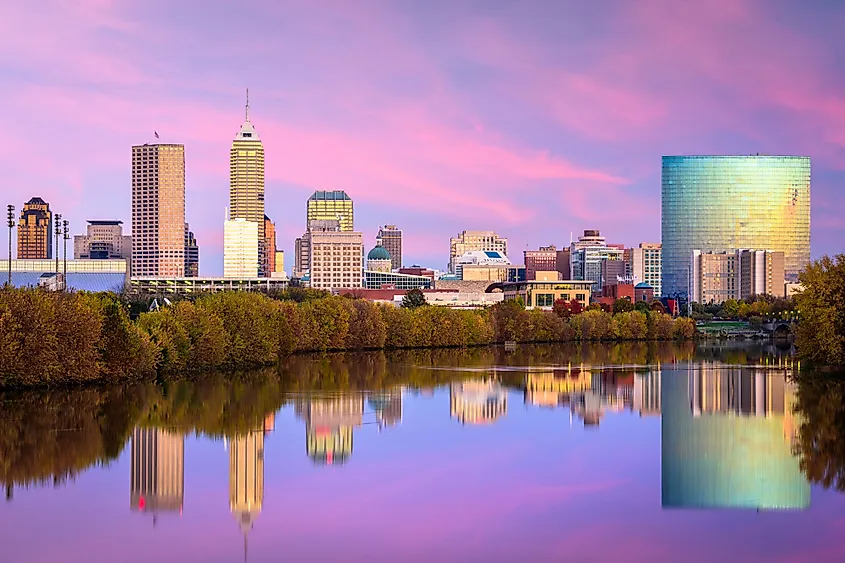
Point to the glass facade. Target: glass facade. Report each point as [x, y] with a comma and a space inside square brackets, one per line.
[719, 203]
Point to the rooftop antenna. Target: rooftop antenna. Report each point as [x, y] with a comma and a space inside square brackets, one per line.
[247, 104]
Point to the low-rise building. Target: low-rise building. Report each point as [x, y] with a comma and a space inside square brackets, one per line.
[82, 275]
[543, 294]
[404, 282]
[457, 300]
[193, 286]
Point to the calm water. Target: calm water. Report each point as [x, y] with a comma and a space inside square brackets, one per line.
[635, 453]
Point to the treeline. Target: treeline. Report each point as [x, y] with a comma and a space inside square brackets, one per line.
[70, 338]
[820, 334]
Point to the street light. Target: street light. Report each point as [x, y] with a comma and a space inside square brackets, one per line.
[66, 237]
[58, 219]
[10, 215]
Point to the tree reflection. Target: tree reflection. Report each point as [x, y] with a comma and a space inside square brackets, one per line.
[821, 438]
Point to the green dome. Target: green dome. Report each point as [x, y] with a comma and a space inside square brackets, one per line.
[378, 253]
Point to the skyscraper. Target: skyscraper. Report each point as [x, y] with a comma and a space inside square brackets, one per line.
[240, 249]
[246, 180]
[468, 241]
[192, 254]
[391, 239]
[719, 203]
[157, 470]
[158, 210]
[331, 206]
[35, 230]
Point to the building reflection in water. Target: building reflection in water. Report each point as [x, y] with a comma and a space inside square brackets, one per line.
[590, 394]
[246, 479]
[387, 406]
[157, 481]
[477, 402]
[727, 439]
[328, 426]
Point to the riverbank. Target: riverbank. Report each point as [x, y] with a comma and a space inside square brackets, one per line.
[64, 339]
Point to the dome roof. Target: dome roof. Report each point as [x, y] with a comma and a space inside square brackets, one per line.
[378, 253]
[643, 285]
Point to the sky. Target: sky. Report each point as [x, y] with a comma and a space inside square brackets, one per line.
[535, 118]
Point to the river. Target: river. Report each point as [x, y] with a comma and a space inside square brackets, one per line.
[635, 452]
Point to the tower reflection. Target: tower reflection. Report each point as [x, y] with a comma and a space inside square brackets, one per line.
[727, 439]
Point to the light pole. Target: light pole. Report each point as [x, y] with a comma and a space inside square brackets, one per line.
[64, 252]
[10, 215]
[58, 219]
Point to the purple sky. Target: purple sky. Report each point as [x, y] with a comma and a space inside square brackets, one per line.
[534, 118]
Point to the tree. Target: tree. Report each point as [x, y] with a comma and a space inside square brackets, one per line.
[575, 307]
[622, 305]
[561, 309]
[413, 299]
[642, 306]
[820, 333]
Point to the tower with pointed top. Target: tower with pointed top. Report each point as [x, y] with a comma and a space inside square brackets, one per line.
[246, 179]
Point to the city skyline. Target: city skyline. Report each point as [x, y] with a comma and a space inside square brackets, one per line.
[499, 152]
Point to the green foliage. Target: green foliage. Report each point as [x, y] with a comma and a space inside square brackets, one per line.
[683, 328]
[631, 325]
[622, 305]
[413, 299]
[820, 334]
[508, 319]
[66, 338]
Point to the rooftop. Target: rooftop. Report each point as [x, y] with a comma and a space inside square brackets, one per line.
[104, 222]
[336, 195]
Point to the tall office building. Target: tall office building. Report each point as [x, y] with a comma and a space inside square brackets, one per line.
[269, 266]
[717, 203]
[240, 249]
[103, 240]
[587, 259]
[246, 182]
[727, 439]
[246, 478]
[331, 206]
[158, 210]
[192, 254]
[336, 259]
[35, 230]
[157, 482]
[468, 241]
[646, 263]
[391, 239]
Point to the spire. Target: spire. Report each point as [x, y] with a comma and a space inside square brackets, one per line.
[247, 104]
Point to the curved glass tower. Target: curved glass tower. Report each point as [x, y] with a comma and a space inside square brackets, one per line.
[718, 203]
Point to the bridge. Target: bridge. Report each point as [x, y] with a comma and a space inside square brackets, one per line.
[779, 327]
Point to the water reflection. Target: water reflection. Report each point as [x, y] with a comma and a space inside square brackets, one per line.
[157, 471]
[732, 435]
[727, 439]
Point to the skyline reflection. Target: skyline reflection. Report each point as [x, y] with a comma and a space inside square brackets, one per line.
[658, 430]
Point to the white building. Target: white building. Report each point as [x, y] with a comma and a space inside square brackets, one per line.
[468, 241]
[489, 265]
[336, 259]
[240, 249]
